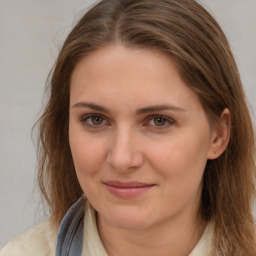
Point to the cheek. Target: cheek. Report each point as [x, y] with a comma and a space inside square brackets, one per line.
[179, 156]
[181, 162]
[87, 155]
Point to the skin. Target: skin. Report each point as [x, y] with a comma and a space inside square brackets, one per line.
[120, 131]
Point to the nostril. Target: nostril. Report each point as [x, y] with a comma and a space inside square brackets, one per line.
[124, 153]
[124, 161]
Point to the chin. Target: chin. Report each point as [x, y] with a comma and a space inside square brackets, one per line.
[127, 219]
[130, 224]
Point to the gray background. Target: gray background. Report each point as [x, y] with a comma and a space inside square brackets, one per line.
[31, 33]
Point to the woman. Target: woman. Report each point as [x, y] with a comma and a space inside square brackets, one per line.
[146, 143]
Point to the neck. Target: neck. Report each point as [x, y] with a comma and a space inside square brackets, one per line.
[177, 238]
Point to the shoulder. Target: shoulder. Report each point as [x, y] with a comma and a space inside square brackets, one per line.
[39, 240]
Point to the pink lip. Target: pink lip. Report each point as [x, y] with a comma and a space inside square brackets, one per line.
[127, 189]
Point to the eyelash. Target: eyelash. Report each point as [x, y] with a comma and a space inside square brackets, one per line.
[85, 121]
[165, 118]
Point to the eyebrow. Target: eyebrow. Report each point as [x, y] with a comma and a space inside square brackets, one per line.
[158, 108]
[138, 111]
[91, 106]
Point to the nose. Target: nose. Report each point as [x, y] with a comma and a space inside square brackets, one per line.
[124, 153]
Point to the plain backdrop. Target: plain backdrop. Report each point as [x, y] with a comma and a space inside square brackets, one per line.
[31, 34]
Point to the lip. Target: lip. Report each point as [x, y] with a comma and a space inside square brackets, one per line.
[127, 190]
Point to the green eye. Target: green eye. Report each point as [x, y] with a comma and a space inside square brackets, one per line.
[159, 121]
[96, 120]
[93, 121]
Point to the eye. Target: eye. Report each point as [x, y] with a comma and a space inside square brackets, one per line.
[160, 121]
[93, 120]
[96, 120]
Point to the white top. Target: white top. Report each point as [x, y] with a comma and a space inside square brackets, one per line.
[41, 239]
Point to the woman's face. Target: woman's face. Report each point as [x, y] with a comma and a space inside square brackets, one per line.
[139, 138]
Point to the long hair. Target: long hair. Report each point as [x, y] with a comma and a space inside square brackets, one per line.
[185, 31]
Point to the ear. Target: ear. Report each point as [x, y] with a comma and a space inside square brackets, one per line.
[220, 135]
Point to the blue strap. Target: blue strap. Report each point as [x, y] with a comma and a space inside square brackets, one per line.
[70, 234]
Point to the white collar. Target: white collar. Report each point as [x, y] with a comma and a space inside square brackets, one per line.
[92, 245]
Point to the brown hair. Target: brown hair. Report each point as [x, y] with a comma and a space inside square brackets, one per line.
[187, 32]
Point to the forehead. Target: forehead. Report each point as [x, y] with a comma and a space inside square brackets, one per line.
[128, 75]
[113, 58]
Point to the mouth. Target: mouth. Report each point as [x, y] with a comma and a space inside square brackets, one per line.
[126, 190]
